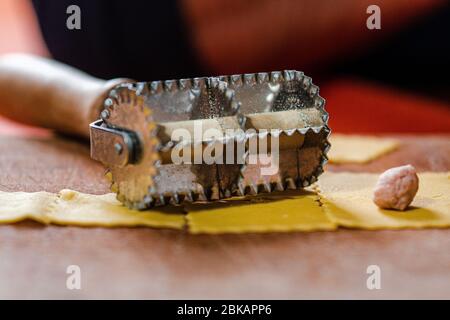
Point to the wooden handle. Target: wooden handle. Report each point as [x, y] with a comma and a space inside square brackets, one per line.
[46, 93]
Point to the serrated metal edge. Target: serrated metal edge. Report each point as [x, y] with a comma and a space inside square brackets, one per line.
[154, 198]
[130, 93]
[156, 87]
[286, 182]
[276, 77]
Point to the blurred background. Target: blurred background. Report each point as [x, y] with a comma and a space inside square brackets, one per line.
[388, 80]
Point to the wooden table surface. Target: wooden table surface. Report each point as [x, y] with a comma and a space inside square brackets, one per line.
[152, 263]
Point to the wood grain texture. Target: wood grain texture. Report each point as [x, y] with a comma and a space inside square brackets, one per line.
[44, 92]
[149, 263]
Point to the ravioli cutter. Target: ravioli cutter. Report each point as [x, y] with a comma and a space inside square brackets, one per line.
[131, 127]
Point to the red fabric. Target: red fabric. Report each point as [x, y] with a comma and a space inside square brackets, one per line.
[358, 107]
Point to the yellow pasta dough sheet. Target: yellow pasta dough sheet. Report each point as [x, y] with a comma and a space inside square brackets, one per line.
[287, 212]
[75, 208]
[279, 212]
[18, 206]
[358, 148]
[347, 200]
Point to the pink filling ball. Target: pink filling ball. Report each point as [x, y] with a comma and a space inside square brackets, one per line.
[396, 188]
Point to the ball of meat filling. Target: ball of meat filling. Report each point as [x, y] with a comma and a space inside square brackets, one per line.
[396, 188]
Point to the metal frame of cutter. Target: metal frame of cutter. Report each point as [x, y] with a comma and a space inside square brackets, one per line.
[133, 137]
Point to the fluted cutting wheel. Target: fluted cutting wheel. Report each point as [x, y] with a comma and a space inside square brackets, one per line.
[147, 109]
[285, 102]
[125, 109]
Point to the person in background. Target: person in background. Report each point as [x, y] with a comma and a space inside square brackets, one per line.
[148, 40]
[172, 39]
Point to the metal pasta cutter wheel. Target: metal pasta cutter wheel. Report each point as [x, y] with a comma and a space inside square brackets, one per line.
[133, 137]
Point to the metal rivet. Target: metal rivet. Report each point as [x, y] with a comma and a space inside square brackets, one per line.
[118, 147]
[105, 114]
[108, 103]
